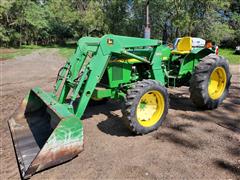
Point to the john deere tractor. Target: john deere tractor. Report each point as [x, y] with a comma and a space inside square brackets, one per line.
[47, 130]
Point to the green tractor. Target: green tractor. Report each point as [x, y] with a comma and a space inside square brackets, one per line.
[47, 130]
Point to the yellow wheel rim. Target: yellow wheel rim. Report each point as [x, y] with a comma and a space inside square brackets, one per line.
[217, 83]
[150, 108]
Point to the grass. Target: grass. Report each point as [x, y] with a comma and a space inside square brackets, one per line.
[10, 53]
[66, 51]
[229, 54]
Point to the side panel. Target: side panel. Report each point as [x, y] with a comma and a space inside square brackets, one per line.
[119, 73]
[161, 53]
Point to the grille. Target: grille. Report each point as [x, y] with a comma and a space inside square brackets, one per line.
[117, 72]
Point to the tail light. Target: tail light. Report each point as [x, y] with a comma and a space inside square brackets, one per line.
[216, 50]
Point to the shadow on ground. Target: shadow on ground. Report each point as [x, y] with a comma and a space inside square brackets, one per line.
[229, 109]
[179, 101]
[113, 125]
[225, 165]
[179, 141]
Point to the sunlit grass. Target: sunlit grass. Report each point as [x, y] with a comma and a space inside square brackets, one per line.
[230, 55]
[10, 53]
[66, 51]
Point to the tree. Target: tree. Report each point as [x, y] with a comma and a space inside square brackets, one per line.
[55, 21]
[234, 22]
[93, 18]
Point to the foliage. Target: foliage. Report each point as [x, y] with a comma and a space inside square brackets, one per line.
[47, 22]
[230, 55]
[93, 18]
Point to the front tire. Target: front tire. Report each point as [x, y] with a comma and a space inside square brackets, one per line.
[210, 82]
[145, 106]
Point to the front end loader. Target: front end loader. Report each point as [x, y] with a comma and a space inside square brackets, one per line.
[47, 130]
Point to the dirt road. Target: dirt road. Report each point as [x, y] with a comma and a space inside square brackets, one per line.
[191, 144]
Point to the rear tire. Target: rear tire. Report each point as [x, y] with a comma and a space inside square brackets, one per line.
[145, 106]
[210, 82]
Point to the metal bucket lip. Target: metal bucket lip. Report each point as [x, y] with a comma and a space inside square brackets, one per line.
[21, 166]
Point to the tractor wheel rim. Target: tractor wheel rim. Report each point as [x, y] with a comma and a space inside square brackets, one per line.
[150, 108]
[217, 83]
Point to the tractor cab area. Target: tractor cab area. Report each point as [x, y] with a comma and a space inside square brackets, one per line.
[186, 54]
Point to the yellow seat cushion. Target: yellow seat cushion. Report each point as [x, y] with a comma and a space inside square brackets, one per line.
[184, 46]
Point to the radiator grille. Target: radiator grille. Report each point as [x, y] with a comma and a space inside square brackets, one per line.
[117, 72]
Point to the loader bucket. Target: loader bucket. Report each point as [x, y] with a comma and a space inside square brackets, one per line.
[44, 133]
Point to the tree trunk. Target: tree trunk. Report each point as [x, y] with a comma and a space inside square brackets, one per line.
[165, 34]
[177, 32]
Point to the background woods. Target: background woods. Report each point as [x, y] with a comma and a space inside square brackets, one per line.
[47, 22]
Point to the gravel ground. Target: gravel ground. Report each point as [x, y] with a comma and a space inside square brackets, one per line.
[191, 144]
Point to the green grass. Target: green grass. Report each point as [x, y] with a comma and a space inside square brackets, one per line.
[11, 53]
[229, 54]
[66, 51]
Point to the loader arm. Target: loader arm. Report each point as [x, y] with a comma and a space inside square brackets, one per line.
[85, 72]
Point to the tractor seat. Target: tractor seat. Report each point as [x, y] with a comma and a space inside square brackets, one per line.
[184, 46]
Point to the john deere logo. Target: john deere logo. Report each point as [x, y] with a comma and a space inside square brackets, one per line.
[110, 41]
